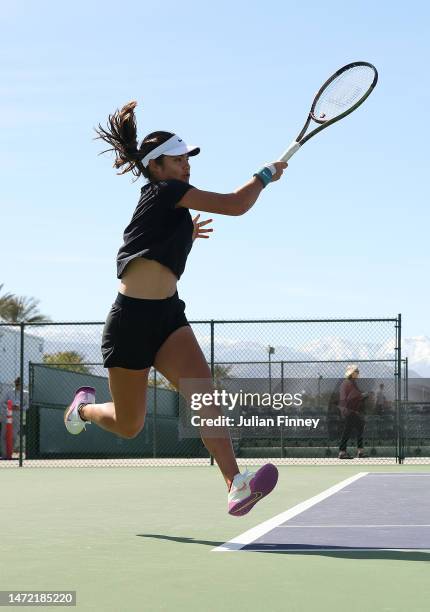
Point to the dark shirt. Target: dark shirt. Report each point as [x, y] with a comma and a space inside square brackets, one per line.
[158, 230]
[351, 397]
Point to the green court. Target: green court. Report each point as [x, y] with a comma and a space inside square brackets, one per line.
[129, 539]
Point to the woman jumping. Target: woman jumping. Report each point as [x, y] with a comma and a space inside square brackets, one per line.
[146, 325]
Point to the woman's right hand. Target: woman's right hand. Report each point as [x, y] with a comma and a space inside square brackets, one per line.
[280, 167]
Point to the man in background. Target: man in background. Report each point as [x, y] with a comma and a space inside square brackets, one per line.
[12, 392]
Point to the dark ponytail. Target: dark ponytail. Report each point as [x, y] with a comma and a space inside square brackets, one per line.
[121, 134]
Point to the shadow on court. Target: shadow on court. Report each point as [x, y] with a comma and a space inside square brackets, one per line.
[157, 536]
[387, 555]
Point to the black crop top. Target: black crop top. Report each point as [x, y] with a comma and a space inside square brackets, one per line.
[157, 229]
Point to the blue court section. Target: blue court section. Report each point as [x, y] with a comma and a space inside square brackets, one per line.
[377, 511]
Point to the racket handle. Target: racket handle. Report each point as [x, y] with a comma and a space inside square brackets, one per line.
[294, 146]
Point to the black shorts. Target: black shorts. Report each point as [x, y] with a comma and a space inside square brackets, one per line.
[135, 329]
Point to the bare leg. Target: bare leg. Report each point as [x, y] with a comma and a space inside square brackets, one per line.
[124, 416]
[181, 357]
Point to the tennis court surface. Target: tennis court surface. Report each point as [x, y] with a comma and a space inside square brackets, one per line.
[129, 539]
[365, 512]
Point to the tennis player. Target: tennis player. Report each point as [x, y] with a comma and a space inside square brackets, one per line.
[146, 325]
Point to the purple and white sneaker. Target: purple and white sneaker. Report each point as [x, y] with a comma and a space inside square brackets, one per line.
[72, 419]
[248, 488]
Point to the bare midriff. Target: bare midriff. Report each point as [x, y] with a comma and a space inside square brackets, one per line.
[147, 279]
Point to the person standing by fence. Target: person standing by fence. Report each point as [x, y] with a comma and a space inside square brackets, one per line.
[11, 393]
[351, 409]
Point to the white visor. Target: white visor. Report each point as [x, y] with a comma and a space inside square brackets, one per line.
[173, 146]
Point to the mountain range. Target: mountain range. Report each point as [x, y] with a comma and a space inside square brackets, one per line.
[333, 353]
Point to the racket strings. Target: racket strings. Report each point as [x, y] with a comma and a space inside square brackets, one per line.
[344, 92]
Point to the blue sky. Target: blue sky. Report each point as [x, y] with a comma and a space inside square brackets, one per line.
[344, 233]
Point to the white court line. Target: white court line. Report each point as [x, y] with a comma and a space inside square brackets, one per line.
[256, 532]
[396, 474]
[342, 526]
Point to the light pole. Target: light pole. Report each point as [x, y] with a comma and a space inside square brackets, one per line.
[271, 351]
[319, 389]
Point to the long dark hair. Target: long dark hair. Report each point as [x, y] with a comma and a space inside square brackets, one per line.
[121, 134]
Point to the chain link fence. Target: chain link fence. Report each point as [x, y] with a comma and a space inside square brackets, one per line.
[53, 359]
[379, 377]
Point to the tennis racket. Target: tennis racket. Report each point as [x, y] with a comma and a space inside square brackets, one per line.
[340, 95]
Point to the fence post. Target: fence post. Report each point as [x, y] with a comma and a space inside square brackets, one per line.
[406, 389]
[282, 425]
[21, 397]
[154, 417]
[399, 405]
[212, 363]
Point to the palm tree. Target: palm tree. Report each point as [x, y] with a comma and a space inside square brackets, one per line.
[221, 372]
[17, 309]
[4, 299]
[67, 360]
[160, 381]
